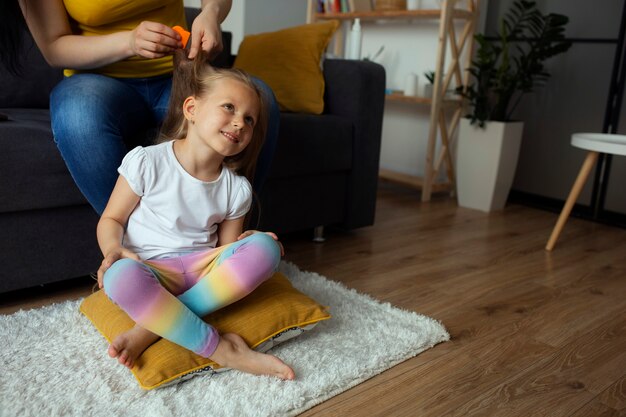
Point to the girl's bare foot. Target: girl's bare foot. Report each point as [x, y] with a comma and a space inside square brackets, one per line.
[233, 352]
[128, 346]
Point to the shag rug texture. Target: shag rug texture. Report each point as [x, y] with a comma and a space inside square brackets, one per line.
[54, 362]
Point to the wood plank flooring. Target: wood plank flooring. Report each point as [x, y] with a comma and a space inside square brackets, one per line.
[533, 333]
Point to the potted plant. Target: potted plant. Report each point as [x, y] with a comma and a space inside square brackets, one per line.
[505, 68]
[429, 86]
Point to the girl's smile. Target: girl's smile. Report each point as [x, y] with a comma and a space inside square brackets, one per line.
[231, 136]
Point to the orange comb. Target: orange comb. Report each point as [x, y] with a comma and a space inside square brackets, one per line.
[183, 34]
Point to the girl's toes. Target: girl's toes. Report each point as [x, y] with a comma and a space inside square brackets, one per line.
[112, 351]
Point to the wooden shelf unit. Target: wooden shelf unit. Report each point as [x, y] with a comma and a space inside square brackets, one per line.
[445, 112]
[392, 14]
[421, 100]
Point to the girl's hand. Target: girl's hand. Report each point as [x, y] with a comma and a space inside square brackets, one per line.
[154, 40]
[111, 257]
[272, 234]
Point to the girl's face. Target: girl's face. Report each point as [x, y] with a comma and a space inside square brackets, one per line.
[225, 118]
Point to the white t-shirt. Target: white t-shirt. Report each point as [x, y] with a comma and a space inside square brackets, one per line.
[177, 213]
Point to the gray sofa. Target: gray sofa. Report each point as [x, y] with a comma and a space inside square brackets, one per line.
[324, 172]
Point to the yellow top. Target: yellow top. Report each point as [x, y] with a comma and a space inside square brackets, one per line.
[93, 18]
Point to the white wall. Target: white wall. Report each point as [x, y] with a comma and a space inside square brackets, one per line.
[410, 47]
[270, 15]
[235, 24]
[574, 99]
[248, 17]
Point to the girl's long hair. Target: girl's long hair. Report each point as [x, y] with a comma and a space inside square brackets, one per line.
[197, 78]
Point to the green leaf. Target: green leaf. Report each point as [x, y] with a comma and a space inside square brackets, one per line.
[505, 69]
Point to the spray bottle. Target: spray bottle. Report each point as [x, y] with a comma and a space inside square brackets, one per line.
[355, 39]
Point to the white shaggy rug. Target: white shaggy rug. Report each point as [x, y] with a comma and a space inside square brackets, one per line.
[54, 363]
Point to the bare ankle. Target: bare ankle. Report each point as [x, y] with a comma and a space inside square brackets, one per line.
[233, 352]
[223, 353]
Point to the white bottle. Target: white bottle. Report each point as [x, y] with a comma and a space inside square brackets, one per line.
[355, 39]
[413, 4]
[410, 85]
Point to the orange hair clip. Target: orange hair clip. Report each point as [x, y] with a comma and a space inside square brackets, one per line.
[183, 34]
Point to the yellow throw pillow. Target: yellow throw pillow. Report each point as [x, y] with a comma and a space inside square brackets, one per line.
[289, 61]
[271, 314]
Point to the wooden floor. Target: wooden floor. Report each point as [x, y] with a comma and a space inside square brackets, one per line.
[533, 333]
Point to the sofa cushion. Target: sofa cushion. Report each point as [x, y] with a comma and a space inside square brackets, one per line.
[312, 145]
[270, 315]
[33, 173]
[289, 61]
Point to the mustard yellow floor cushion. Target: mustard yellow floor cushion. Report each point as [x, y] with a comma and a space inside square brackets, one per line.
[273, 313]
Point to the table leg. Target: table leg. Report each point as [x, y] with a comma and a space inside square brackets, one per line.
[588, 164]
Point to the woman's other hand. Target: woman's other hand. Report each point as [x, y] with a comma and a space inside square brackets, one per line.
[154, 40]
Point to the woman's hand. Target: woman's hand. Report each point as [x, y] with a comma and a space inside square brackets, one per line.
[272, 234]
[154, 40]
[206, 34]
[111, 257]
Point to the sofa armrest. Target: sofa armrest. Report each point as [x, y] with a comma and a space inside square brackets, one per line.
[356, 90]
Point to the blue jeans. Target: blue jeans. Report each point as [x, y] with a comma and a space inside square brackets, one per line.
[97, 119]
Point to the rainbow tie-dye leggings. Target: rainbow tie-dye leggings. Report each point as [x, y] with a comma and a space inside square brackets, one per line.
[169, 296]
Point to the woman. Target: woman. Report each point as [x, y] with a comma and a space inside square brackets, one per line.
[117, 57]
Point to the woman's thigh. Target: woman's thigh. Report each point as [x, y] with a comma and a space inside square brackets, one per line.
[266, 156]
[95, 119]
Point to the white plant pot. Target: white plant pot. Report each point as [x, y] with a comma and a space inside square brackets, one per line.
[428, 90]
[486, 160]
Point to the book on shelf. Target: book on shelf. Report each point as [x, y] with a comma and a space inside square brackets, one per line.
[344, 6]
[329, 6]
[360, 5]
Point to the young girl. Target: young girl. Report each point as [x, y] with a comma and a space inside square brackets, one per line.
[171, 233]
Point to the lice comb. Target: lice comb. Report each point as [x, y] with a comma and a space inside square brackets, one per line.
[183, 34]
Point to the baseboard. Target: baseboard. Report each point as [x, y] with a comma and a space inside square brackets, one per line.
[556, 205]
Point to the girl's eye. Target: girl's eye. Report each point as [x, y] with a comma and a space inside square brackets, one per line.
[228, 106]
[250, 120]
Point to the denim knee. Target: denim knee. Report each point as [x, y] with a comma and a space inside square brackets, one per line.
[79, 107]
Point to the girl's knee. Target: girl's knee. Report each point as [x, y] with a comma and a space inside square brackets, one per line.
[119, 276]
[268, 245]
[259, 249]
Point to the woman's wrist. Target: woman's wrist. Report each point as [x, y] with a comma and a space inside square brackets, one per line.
[217, 9]
[127, 43]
